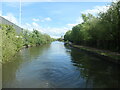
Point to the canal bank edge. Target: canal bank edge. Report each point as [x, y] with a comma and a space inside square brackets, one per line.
[23, 47]
[103, 54]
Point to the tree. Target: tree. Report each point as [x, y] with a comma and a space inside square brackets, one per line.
[102, 31]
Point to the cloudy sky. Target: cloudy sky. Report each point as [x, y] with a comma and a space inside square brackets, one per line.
[53, 18]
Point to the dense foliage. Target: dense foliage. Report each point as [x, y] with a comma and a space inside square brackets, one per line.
[35, 38]
[12, 42]
[102, 31]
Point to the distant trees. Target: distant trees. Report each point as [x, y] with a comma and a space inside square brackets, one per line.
[60, 39]
[102, 31]
[35, 38]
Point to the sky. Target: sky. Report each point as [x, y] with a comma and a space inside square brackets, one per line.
[53, 18]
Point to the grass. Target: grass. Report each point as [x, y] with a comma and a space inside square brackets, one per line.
[115, 57]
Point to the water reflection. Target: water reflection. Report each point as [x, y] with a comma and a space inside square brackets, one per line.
[100, 73]
[22, 58]
[58, 66]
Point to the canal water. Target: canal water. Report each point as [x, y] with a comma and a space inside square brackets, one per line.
[57, 66]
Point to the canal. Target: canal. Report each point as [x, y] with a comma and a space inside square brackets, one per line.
[57, 66]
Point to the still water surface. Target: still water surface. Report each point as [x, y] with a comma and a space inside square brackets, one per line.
[57, 66]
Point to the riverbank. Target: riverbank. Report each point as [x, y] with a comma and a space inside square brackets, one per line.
[104, 54]
[53, 66]
[23, 47]
[12, 42]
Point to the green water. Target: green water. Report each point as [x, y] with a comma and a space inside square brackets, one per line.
[57, 66]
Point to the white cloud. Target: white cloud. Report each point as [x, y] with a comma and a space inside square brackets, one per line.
[55, 32]
[42, 20]
[36, 20]
[35, 24]
[58, 32]
[71, 25]
[11, 18]
[32, 26]
[47, 19]
[55, 36]
[96, 10]
[93, 11]
[28, 24]
[52, 31]
[78, 21]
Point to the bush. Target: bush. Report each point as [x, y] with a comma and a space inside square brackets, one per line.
[10, 43]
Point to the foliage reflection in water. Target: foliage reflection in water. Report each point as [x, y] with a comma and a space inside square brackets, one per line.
[57, 66]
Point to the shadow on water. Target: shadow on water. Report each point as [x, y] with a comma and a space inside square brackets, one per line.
[99, 73]
[23, 57]
[57, 66]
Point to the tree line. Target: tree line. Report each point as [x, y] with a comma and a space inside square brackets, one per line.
[101, 31]
[12, 43]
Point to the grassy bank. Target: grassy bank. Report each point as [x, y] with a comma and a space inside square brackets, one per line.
[11, 42]
[105, 54]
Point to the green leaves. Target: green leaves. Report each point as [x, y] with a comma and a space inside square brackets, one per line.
[35, 38]
[102, 31]
[11, 42]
